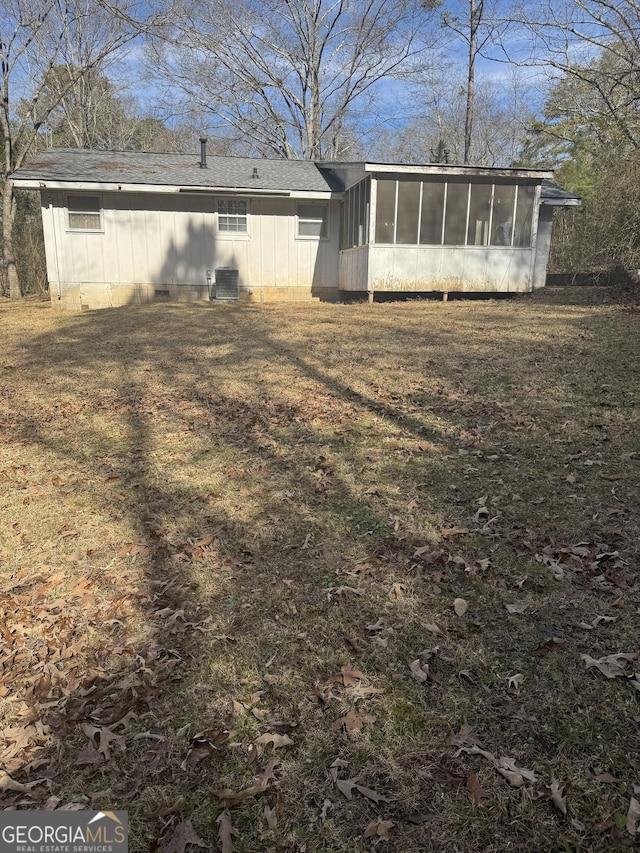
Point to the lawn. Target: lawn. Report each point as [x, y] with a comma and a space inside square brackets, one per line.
[324, 577]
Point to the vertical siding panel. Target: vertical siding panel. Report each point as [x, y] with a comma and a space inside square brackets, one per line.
[156, 251]
[124, 245]
[140, 266]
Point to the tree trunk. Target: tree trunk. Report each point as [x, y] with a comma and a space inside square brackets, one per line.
[8, 256]
[468, 119]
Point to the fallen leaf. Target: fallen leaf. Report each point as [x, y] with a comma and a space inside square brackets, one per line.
[277, 740]
[230, 798]
[346, 787]
[612, 666]
[516, 776]
[353, 721]
[361, 692]
[465, 737]
[372, 795]
[347, 676]
[557, 798]
[550, 645]
[379, 828]
[481, 515]
[271, 817]
[226, 831]
[517, 607]
[175, 808]
[9, 784]
[474, 788]
[336, 766]
[89, 755]
[452, 532]
[633, 816]
[105, 738]
[183, 835]
[418, 671]
[514, 682]
[506, 766]
[327, 804]
[460, 606]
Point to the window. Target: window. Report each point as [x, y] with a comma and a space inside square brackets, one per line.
[524, 216]
[408, 211]
[479, 228]
[232, 215]
[503, 200]
[312, 220]
[455, 220]
[457, 212]
[432, 213]
[386, 212]
[355, 215]
[84, 212]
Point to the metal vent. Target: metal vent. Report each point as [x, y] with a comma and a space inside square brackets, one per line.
[227, 283]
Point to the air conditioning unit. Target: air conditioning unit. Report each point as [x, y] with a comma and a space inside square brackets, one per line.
[227, 283]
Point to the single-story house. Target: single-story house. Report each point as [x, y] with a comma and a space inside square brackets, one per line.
[123, 227]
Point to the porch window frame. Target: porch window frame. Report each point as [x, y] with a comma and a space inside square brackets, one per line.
[517, 186]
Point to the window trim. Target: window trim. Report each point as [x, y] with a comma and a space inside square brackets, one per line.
[325, 220]
[70, 210]
[233, 235]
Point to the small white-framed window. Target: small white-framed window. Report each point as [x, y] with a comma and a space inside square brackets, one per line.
[313, 220]
[232, 216]
[85, 212]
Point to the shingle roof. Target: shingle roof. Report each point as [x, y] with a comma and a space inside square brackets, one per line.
[553, 194]
[183, 170]
[127, 167]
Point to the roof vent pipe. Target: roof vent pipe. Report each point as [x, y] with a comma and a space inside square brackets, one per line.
[203, 152]
[255, 172]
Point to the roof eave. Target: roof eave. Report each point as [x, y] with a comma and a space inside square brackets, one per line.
[168, 189]
[461, 171]
[562, 202]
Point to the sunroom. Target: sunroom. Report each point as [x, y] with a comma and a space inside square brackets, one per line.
[444, 229]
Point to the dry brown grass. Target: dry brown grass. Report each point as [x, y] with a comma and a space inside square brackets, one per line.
[208, 511]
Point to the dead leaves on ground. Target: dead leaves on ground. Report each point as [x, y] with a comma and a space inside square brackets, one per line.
[617, 666]
[379, 829]
[595, 565]
[183, 835]
[505, 766]
[226, 832]
[352, 722]
[260, 783]
[347, 787]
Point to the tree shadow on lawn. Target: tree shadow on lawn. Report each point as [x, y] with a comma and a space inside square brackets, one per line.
[244, 500]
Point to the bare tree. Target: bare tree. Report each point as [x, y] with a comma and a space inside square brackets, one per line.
[595, 42]
[288, 75]
[477, 24]
[436, 131]
[37, 37]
